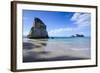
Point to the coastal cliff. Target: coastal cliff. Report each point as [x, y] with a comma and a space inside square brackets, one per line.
[38, 29]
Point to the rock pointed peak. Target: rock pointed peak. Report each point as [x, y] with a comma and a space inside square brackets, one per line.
[36, 19]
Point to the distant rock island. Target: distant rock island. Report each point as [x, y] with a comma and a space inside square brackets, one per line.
[38, 29]
[78, 35]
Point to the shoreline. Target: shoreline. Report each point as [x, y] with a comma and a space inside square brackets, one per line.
[42, 50]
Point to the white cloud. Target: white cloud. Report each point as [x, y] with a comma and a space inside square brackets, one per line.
[75, 16]
[81, 19]
[60, 30]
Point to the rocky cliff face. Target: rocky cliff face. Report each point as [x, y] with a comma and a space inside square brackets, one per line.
[38, 29]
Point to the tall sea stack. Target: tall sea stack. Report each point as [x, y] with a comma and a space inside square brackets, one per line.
[38, 29]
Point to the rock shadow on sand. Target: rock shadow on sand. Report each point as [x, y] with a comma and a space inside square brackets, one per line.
[27, 45]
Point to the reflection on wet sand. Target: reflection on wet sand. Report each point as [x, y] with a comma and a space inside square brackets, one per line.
[35, 50]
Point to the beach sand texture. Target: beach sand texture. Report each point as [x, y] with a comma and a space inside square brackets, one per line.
[35, 50]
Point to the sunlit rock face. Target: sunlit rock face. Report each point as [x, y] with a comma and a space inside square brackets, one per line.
[38, 29]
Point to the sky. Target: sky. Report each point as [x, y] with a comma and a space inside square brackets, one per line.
[59, 24]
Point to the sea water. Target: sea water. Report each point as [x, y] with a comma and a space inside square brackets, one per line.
[75, 42]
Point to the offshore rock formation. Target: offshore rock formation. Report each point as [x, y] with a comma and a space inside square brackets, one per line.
[38, 29]
[78, 35]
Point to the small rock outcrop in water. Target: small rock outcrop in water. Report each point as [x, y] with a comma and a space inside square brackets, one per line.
[78, 35]
[38, 29]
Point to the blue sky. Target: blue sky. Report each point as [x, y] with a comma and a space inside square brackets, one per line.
[59, 24]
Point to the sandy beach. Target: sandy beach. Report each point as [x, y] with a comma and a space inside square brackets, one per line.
[35, 50]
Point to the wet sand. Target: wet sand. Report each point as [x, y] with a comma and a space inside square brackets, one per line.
[35, 50]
